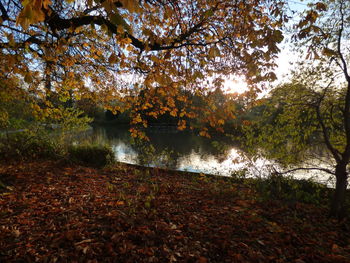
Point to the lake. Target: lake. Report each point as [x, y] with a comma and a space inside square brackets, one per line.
[185, 151]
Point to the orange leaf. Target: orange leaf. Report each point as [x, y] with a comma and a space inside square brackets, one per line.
[335, 248]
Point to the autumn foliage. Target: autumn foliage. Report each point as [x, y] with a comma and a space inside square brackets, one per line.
[65, 49]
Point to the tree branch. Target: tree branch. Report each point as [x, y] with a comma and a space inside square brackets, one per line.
[30, 40]
[56, 24]
[328, 143]
[307, 169]
[339, 42]
[346, 113]
[4, 14]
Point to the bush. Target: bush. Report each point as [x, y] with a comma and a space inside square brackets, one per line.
[27, 145]
[289, 189]
[91, 155]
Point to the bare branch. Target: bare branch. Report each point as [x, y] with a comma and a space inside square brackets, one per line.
[307, 169]
[325, 134]
[339, 42]
[4, 14]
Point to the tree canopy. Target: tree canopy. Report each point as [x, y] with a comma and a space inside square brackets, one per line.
[70, 47]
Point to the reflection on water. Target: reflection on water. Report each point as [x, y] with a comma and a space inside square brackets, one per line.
[211, 164]
[124, 153]
[172, 149]
[184, 151]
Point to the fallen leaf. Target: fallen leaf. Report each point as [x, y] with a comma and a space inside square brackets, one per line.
[202, 260]
[83, 242]
[335, 248]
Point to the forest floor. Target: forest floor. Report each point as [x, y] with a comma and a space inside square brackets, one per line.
[54, 212]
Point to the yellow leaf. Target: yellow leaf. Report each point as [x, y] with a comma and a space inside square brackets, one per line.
[112, 58]
[120, 29]
[153, 114]
[137, 119]
[221, 122]
[204, 134]
[329, 52]
[171, 102]
[46, 3]
[163, 79]
[40, 16]
[28, 77]
[214, 52]
[181, 125]
[131, 5]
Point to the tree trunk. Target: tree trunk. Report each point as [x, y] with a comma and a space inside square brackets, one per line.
[338, 208]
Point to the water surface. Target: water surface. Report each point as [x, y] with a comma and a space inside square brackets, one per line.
[186, 151]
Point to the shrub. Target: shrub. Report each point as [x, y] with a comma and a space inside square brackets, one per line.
[289, 189]
[91, 155]
[27, 145]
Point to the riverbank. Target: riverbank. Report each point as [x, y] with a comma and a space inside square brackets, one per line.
[56, 212]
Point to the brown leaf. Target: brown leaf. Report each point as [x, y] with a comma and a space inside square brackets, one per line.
[335, 248]
[83, 242]
[202, 260]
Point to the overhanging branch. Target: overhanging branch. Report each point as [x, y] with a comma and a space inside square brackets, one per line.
[57, 24]
[308, 169]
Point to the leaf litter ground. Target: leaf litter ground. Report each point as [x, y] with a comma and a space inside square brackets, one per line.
[51, 212]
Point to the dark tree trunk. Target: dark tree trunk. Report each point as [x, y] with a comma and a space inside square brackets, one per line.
[338, 208]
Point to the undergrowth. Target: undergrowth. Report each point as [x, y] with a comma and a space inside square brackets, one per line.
[28, 145]
[285, 188]
[91, 155]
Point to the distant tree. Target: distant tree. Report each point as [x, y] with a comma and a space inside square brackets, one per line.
[313, 108]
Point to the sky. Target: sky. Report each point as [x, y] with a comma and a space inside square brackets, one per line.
[285, 57]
